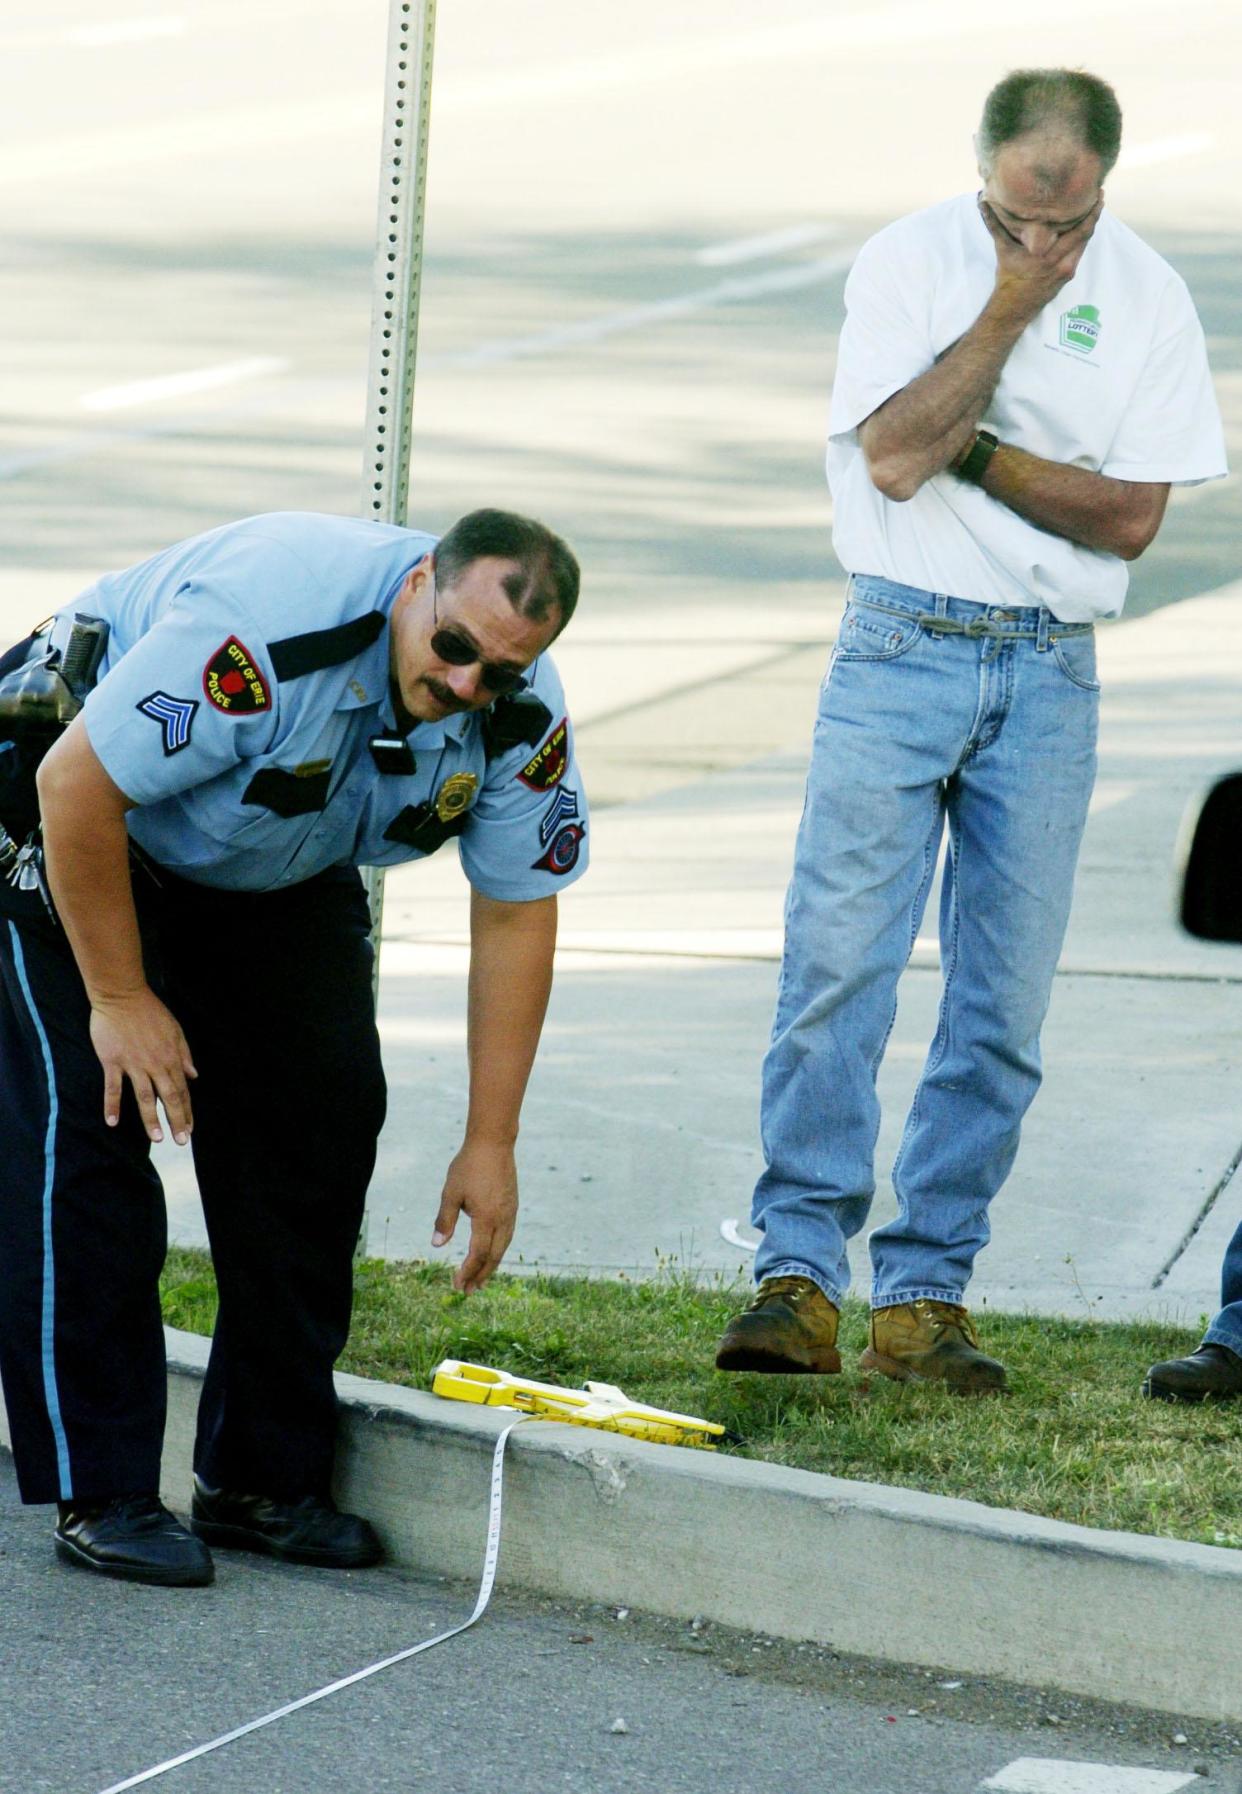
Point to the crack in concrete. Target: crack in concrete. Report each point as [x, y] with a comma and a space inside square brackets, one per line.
[1222, 1184]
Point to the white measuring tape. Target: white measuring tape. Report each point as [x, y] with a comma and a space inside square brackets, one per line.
[491, 1558]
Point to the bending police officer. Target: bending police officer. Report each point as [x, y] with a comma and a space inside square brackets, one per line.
[279, 701]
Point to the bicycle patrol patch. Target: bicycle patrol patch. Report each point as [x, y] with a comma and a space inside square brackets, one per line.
[1080, 328]
[233, 683]
[562, 856]
[547, 768]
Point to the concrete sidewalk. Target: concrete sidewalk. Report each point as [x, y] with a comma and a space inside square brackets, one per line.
[641, 1134]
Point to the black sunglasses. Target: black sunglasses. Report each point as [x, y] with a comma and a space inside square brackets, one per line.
[458, 650]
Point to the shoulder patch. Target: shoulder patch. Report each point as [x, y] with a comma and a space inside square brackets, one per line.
[174, 715]
[547, 767]
[562, 856]
[232, 681]
[563, 808]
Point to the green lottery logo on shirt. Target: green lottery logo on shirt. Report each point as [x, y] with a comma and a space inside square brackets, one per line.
[1080, 328]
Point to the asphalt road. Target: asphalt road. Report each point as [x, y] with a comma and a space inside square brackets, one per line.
[101, 1680]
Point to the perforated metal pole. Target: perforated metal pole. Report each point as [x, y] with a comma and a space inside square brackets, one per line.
[394, 313]
[396, 291]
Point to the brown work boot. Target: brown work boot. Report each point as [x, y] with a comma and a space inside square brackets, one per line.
[931, 1342]
[790, 1326]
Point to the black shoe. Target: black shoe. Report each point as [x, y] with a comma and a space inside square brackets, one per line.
[1212, 1370]
[135, 1538]
[309, 1531]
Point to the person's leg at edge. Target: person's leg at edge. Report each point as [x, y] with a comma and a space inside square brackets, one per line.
[1215, 1368]
[1226, 1329]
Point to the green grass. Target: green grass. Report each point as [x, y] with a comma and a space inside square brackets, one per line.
[1074, 1441]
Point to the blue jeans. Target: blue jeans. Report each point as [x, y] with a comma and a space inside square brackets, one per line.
[1226, 1329]
[922, 721]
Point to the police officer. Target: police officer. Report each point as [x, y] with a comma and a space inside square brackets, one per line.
[278, 702]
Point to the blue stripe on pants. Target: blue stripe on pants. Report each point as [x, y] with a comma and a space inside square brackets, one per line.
[49, 1263]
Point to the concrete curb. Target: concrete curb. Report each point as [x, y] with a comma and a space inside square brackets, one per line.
[886, 1573]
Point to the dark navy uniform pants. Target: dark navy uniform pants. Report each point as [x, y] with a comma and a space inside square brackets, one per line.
[273, 991]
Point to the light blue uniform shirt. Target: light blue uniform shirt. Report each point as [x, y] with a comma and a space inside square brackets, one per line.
[188, 709]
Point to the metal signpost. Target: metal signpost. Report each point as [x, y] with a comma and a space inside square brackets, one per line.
[397, 287]
[394, 316]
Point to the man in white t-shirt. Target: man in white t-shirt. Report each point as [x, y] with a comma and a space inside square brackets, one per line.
[1020, 381]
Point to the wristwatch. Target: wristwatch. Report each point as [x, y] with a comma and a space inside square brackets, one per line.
[974, 463]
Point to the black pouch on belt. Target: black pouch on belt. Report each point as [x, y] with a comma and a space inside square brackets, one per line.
[41, 692]
[23, 744]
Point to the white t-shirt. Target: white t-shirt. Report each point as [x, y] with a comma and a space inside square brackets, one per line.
[1112, 376]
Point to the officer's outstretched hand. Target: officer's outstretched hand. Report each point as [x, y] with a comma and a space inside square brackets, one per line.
[481, 1183]
[138, 1038]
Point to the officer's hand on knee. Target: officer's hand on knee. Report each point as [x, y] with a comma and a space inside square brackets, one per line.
[138, 1038]
[481, 1183]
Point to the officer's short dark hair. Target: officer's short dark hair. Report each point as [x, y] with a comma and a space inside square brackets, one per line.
[1061, 101]
[547, 577]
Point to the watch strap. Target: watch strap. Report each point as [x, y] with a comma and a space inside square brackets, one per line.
[974, 464]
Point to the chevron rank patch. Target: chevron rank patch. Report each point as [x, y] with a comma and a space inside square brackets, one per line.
[174, 715]
[547, 768]
[563, 808]
[562, 856]
[233, 683]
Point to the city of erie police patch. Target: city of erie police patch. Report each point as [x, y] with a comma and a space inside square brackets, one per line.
[233, 683]
[562, 856]
[174, 715]
[547, 767]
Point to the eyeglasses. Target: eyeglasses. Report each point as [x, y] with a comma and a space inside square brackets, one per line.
[457, 650]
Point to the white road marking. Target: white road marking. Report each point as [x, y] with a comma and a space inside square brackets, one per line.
[176, 386]
[676, 943]
[773, 242]
[1163, 149]
[1109, 792]
[637, 317]
[121, 31]
[731, 1237]
[1045, 1775]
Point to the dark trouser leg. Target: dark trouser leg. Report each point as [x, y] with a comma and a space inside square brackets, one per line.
[1226, 1329]
[274, 992]
[82, 1236]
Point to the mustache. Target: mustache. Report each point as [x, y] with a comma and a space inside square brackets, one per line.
[442, 694]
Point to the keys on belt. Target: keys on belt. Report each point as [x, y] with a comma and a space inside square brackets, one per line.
[23, 868]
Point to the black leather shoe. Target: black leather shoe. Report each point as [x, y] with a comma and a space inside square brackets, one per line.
[135, 1538]
[309, 1531]
[1212, 1370]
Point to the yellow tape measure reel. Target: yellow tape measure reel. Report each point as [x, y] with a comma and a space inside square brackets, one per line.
[595, 1404]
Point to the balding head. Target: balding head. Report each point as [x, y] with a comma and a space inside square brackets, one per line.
[1059, 113]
